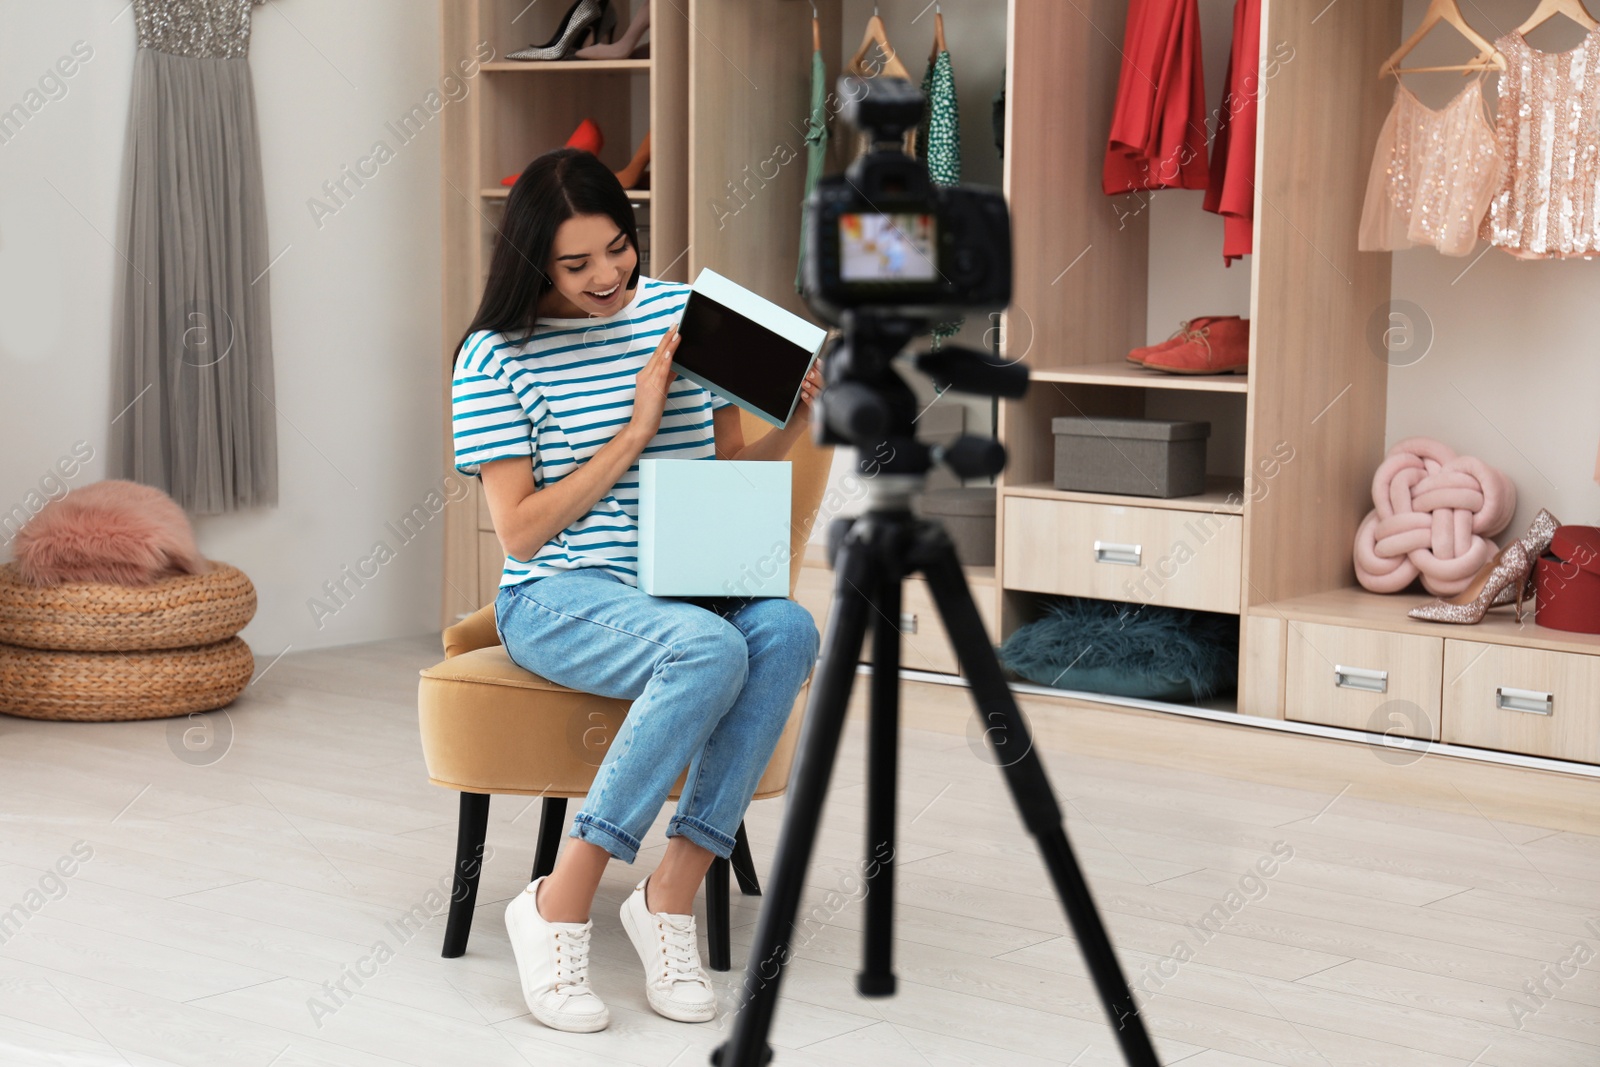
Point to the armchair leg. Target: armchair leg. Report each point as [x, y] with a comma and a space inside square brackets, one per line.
[744, 865]
[470, 832]
[552, 818]
[717, 915]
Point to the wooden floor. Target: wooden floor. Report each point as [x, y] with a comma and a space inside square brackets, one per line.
[1421, 914]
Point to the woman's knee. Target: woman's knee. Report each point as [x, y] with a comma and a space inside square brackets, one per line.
[715, 649]
[784, 625]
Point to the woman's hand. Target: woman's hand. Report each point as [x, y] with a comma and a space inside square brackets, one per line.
[809, 390]
[650, 388]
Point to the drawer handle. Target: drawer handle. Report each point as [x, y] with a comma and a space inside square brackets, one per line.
[1361, 678]
[1529, 700]
[1112, 552]
[908, 622]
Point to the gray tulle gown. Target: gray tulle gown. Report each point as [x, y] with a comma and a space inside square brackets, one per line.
[192, 408]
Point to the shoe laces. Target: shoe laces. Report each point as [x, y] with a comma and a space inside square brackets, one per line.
[572, 962]
[680, 949]
[1200, 337]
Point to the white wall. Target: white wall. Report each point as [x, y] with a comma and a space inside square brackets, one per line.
[355, 301]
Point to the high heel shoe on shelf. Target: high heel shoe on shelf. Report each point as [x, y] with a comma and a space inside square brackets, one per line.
[584, 18]
[1537, 541]
[1509, 569]
[623, 47]
[587, 137]
[633, 173]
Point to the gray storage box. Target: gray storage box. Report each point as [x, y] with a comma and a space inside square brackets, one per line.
[1136, 457]
[968, 517]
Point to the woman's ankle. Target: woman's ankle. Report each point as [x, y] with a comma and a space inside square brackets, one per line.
[554, 907]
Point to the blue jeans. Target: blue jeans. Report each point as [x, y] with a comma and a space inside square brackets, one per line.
[712, 683]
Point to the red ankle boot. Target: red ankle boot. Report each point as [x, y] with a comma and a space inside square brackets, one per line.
[1221, 346]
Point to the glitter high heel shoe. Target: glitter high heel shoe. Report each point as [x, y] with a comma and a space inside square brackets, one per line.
[1537, 542]
[583, 18]
[1510, 567]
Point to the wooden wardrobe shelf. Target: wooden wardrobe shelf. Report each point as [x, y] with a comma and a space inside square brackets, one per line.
[1355, 606]
[1223, 495]
[500, 192]
[1122, 373]
[512, 66]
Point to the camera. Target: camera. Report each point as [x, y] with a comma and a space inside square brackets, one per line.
[883, 236]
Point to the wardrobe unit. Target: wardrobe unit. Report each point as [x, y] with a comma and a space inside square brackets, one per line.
[724, 94]
[1270, 541]
[1294, 443]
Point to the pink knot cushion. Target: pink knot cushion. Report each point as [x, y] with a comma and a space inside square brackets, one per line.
[112, 531]
[1434, 516]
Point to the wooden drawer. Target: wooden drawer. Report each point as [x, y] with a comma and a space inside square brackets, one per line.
[491, 564]
[1522, 700]
[1182, 559]
[924, 644]
[1363, 679]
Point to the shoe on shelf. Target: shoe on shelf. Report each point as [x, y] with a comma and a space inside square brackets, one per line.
[587, 137]
[1509, 568]
[675, 984]
[553, 964]
[584, 18]
[622, 48]
[1139, 355]
[1537, 542]
[629, 176]
[1221, 346]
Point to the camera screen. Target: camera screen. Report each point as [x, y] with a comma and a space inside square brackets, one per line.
[886, 248]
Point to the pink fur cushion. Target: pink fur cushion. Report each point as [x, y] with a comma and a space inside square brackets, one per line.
[111, 531]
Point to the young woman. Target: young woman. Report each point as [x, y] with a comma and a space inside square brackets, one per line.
[562, 384]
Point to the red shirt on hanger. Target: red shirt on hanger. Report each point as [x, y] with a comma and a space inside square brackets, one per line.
[1158, 127]
[1233, 154]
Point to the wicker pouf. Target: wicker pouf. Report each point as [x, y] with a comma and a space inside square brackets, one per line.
[114, 686]
[180, 612]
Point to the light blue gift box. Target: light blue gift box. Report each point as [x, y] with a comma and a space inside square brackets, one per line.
[714, 527]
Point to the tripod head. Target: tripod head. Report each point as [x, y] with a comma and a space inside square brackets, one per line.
[866, 403]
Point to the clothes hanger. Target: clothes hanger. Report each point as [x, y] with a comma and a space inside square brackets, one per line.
[1448, 11]
[816, 29]
[1549, 9]
[938, 34]
[877, 34]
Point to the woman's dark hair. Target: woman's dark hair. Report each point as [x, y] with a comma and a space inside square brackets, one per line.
[557, 186]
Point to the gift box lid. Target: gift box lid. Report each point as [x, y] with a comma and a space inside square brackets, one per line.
[1578, 544]
[1147, 429]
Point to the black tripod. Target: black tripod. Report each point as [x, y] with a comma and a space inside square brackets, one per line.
[867, 401]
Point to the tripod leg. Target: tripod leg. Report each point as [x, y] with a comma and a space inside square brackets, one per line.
[1030, 787]
[876, 978]
[808, 788]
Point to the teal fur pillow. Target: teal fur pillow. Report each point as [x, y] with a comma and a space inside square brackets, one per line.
[1103, 646]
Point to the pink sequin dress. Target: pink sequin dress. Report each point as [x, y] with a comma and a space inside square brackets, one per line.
[1548, 128]
[1433, 175]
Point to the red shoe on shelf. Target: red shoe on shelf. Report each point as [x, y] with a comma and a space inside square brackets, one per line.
[587, 137]
[1140, 355]
[1221, 346]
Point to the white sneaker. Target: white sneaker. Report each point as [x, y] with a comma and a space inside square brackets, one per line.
[553, 963]
[674, 982]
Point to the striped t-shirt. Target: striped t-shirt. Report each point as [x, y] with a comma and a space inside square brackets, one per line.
[557, 396]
